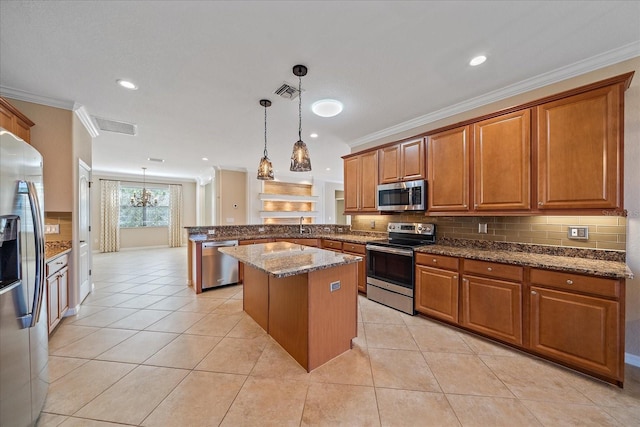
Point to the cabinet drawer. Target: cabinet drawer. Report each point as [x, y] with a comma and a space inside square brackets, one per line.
[576, 282]
[332, 244]
[354, 248]
[56, 264]
[440, 261]
[493, 269]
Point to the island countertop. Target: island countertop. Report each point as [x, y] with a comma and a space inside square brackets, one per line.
[283, 259]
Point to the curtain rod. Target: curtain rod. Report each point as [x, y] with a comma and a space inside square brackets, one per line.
[137, 182]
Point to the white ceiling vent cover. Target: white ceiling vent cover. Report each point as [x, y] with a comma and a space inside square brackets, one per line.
[287, 91]
[115, 126]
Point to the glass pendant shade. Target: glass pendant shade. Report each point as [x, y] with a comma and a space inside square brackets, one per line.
[265, 169]
[300, 160]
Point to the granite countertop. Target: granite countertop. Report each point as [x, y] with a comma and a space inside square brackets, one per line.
[598, 267]
[349, 238]
[55, 249]
[283, 259]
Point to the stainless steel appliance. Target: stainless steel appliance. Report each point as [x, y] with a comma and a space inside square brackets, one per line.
[24, 375]
[390, 264]
[218, 269]
[402, 196]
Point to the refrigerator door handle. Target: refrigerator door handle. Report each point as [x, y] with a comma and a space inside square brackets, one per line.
[38, 231]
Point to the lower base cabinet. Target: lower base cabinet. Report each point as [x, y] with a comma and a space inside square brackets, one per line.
[580, 329]
[57, 289]
[436, 293]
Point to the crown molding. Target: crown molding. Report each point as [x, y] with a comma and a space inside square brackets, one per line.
[85, 118]
[623, 53]
[22, 95]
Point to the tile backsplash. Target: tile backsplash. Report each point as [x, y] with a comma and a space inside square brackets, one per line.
[64, 220]
[605, 232]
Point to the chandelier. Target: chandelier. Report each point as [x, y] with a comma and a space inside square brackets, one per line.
[143, 199]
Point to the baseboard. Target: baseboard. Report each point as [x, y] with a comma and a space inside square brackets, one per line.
[632, 359]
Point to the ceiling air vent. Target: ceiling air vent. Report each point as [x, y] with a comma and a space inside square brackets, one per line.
[114, 126]
[287, 91]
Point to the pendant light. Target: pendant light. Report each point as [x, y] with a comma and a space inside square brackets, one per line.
[300, 161]
[265, 169]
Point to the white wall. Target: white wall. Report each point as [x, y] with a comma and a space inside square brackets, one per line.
[142, 237]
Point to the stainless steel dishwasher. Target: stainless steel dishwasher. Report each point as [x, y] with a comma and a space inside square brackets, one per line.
[218, 269]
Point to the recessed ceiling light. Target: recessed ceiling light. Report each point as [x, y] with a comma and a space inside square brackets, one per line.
[328, 169]
[314, 135]
[127, 84]
[477, 60]
[205, 159]
[327, 107]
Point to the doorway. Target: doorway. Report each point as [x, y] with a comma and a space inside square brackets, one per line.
[84, 231]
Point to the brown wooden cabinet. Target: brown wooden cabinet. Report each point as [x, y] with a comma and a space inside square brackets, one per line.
[448, 170]
[492, 305]
[579, 150]
[57, 289]
[402, 162]
[351, 249]
[578, 320]
[502, 163]
[14, 121]
[301, 241]
[358, 250]
[437, 286]
[240, 264]
[361, 182]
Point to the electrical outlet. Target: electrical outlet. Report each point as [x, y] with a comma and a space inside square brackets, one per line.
[260, 229]
[334, 286]
[372, 224]
[327, 229]
[482, 228]
[52, 229]
[578, 232]
[211, 232]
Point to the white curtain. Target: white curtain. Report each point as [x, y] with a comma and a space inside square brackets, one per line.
[175, 216]
[110, 216]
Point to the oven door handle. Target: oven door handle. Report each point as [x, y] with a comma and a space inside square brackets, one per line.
[395, 251]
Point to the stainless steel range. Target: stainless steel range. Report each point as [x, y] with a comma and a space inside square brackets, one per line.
[390, 264]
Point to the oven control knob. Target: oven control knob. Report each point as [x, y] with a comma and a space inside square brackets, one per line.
[419, 228]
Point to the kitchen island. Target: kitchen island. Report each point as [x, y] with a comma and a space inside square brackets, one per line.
[304, 297]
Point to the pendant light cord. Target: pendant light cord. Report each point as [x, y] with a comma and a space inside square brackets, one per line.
[299, 108]
[265, 130]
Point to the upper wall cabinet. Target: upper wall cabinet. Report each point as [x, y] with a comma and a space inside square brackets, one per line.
[580, 150]
[448, 182]
[402, 162]
[501, 162]
[14, 121]
[360, 182]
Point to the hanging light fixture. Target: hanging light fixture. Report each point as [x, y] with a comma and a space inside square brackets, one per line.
[300, 161]
[265, 169]
[143, 199]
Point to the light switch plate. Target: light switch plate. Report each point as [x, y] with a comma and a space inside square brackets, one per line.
[578, 232]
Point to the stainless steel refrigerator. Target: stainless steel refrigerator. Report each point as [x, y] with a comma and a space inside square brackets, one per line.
[24, 376]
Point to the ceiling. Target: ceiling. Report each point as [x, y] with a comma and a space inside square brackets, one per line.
[202, 68]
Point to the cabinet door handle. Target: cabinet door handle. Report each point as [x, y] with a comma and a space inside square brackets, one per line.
[435, 261]
[464, 206]
[455, 277]
[489, 269]
[534, 293]
[569, 282]
[540, 203]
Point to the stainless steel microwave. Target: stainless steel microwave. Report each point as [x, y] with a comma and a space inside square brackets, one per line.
[402, 196]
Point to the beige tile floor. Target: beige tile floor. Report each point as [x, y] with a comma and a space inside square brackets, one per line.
[145, 350]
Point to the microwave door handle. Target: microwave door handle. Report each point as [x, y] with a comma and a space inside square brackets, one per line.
[38, 232]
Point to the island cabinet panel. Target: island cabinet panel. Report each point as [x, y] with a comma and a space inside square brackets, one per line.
[579, 146]
[361, 182]
[332, 313]
[437, 293]
[256, 296]
[288, 313]
[580, 330]
[240, 264]
[502, 159]
[448, 170]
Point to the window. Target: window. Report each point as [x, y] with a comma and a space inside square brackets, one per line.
[149, 216]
